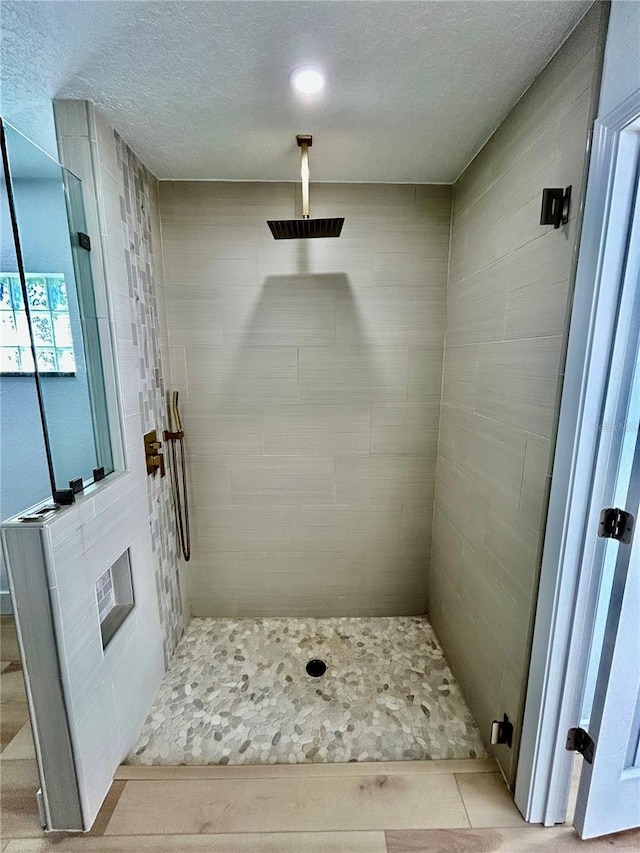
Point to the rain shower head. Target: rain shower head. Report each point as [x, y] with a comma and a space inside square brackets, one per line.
[302, 229]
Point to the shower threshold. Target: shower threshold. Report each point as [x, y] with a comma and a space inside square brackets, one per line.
[239, 692]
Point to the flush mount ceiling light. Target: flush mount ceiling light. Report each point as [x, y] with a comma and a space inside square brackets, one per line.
[307, 79]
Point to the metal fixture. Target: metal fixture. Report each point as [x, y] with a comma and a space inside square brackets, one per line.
[64, 497]
[555, 206]
[295, 229]
[155, 459]
[316, 668]
[502, 732]
[175, 435]
[98, 474]
[616, 524]
[84, 241]
[76, 485]
[578, 740]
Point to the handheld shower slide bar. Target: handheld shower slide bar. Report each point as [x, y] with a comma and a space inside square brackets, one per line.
[175, 435]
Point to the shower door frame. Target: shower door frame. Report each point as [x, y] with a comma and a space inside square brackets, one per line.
[569, 584]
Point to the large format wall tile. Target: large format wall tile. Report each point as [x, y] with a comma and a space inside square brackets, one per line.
[310, 374]
[507, 315]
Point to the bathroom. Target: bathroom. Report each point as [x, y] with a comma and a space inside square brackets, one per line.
[314, 473]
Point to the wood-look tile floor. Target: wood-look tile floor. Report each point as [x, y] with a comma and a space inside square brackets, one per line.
[429, 807]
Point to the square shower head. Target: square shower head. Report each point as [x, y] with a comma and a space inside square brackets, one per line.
[301, 229]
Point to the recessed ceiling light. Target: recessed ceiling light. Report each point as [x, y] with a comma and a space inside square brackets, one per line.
[307, 79]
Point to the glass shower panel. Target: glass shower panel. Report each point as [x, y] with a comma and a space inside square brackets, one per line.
[24, 475]
[53, 298]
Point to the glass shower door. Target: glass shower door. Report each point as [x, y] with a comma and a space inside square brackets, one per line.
[48, 297]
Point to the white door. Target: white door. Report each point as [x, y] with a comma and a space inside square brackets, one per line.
[609, 793]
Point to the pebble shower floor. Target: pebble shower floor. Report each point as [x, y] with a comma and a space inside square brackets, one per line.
[237, 692]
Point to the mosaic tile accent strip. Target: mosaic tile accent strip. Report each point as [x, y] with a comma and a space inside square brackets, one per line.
[147, 332]
[237, 692]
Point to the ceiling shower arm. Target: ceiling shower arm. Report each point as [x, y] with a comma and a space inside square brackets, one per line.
[304, 142]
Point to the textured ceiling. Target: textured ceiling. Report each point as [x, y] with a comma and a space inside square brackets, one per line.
[200, 89]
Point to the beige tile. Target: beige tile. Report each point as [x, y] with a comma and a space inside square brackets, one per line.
[383, 480]
[535, 481]
[491, 454]
[538, 288]
[353, 374]
[281, 480]
[529, 839]
[388, 316]
[371, 802]
[276, 842]
[404, 428]
[511, 553]
[412, 267]
[397, 582]
[235, 379]
[575, 125]
[446, 549]
[476, 306]
[350, 529]
[488, 801]
[294, 310]
[221, 435]
[21, 747]
[459, 376]
[415, 523]
[517, 383]
[19, 782]
[463, 501]
[425, 373]
[314, 429]
[245, 528]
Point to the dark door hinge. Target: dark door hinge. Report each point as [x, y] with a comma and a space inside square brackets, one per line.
[502, 732]
[84, 241]
[580, 741]
[616, 524]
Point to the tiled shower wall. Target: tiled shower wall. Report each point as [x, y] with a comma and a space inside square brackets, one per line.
[508, 303]
[139, 211]
[126, 194]
[310, 373]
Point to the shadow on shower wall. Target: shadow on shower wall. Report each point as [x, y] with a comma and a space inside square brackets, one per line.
[289, 499]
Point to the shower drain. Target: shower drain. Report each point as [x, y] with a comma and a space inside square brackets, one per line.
[316, 668]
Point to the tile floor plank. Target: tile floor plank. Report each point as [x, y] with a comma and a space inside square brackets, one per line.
[13, 717]
[276, 805]
[488, 801]
[263, 771]
[289, 842]
[21, 746]
[18, 785]
[9, 650]
[530, 839]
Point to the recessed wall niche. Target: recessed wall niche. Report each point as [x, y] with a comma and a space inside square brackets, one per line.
[114, 595]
